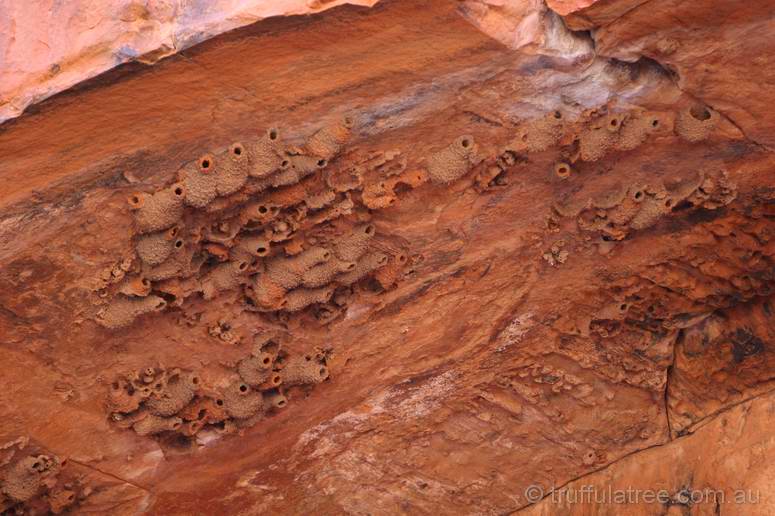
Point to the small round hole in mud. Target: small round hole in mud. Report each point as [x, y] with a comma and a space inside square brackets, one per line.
[323, 371]
[614, 122]
[465, 142]
[135, 200]
[285, 163]
[623, 307]
[669, 203]
[178, 244]
[402, 258]
[322, 163]
[262, 209]
[242, 266]
[261, 250]
[281, 403]
[205, 164]
[557, 115]
[307, 358]
[273, 134]
[178, 191]
[276, 379]
[237, 150]
[700, 113]
[219, 403]
[370, 229]
[267, 360]
[655, 123]
[638, 195]
[243, 388]
[562, 170]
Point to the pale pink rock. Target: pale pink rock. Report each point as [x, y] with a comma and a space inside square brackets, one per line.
[47, 46]
[565, 7]
[526, 25]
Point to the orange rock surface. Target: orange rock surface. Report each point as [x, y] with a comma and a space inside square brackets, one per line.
[400, 260]
[48, 47]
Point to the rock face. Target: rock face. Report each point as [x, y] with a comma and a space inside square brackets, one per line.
[720, 469]
[528, 26]
[48, 47]
[711, 52]
[429, 257]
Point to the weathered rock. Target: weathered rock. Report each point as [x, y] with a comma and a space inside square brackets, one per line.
[527, 25]
[717, 470]
[713, 51]
[509, 324]
[50, 47]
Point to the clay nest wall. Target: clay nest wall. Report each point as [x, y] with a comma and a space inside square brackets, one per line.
[399, 270]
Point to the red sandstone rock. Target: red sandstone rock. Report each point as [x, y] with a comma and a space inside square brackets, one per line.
[717, 470]
[606, 325]
[711, 51]
[565, 7]
[48, 47]
[529, 26]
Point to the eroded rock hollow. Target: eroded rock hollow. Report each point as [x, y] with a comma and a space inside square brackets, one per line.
[423, 257]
